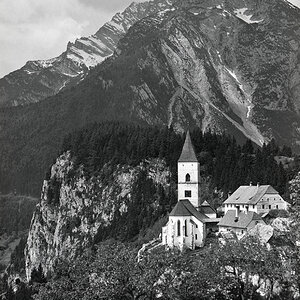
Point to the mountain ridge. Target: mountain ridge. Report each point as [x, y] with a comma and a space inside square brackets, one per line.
[39, 79]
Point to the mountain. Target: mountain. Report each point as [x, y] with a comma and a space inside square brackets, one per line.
[40, 79]
[224, 66]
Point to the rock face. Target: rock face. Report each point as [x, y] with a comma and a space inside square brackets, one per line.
[40, 79]
[73, 208]
[221, 66]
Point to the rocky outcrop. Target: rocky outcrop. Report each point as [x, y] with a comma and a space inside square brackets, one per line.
[261, 232]
[73, 208]
[40, 79]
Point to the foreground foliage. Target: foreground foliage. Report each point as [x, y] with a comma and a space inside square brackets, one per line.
[236, 270]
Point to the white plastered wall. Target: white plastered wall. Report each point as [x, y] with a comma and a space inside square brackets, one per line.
[193, 169]
[195, 234]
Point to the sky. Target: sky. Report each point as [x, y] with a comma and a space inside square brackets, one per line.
[41, 29]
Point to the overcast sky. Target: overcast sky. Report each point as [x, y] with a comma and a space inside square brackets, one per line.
[41, 29]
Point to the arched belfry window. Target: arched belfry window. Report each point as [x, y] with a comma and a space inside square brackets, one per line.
[178, 227]
[187, 177]
[185, 228]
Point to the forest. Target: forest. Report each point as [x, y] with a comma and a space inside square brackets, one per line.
[225, 164]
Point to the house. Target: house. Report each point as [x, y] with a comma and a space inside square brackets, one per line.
[247, 205]
[260, 199]
[186, 226]
[239, 222]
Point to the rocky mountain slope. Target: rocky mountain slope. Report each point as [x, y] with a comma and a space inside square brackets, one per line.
[221, 65]
[74, 208]
[40, 79]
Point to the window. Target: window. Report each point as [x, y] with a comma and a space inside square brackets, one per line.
[187, 193]
[187, 177]
[263, 206]
[276, 206]
[196, 236]
[196, 226]
[185, 228]
[253, 206]
[242, 231]
[269, 206]
[178, 227]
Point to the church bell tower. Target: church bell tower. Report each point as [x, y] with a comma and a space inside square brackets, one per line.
[189, 174]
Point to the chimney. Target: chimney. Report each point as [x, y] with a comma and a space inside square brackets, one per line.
[250, 183]
[237, 212]
[229, 194]
[258, 184]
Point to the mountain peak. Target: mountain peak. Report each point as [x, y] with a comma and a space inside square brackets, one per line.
[38, 80]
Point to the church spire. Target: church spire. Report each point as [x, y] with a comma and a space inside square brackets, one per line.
[188, 153]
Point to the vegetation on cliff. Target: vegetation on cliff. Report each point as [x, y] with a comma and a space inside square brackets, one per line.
[223, 161]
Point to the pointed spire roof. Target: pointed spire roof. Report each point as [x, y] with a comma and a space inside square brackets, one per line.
[188, 153]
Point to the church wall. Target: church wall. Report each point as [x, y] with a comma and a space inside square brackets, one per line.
[185, 239]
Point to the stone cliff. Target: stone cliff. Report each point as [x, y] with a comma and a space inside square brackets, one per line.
[73, 208]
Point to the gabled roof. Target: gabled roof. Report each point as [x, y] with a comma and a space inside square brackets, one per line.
[184, 208]
[188, 153]
[243, 221]
[248, 194]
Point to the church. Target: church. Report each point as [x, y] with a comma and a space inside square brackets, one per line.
[191, 219]
[188, 224]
